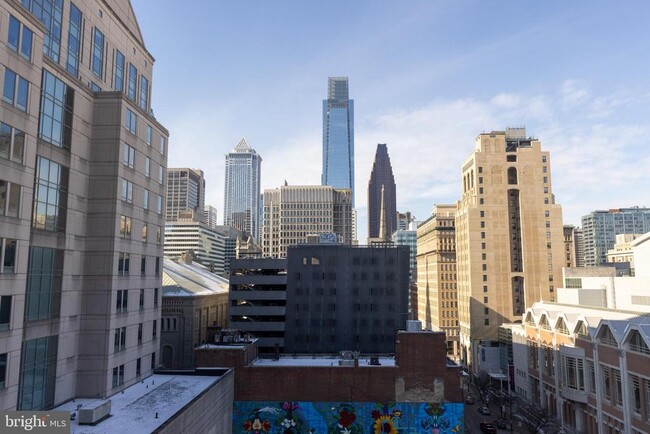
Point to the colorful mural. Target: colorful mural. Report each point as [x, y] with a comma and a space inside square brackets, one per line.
[253, 417]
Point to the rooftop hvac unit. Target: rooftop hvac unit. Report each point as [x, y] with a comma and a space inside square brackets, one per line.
[94, 413]
[346, 362]
[413, 326]
[374, 361]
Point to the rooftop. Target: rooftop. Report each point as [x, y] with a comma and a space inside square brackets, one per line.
[181, 279]
[324, 361]
[134, 410]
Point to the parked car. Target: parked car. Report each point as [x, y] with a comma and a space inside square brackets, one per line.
[469, 399]
[484, 410]
[499, 423]
[487, 427]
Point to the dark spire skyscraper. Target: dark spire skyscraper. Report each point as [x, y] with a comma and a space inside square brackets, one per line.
[381, 177]
[338, 136]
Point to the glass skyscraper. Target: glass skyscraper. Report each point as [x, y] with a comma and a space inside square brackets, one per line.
[338, 136]
[242, 198]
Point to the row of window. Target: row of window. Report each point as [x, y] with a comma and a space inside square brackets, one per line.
[124, 264]
[119, 341]
[128, 158]
[126, 225]
[127, 196]
[118, 371]
[122, 300]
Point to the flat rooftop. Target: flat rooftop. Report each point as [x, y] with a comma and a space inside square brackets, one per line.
[324, 361]
[134, 410]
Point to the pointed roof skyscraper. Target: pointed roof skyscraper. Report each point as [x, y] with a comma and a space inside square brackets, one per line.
[381, 185]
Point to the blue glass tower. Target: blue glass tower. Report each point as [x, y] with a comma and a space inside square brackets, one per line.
[338, 136]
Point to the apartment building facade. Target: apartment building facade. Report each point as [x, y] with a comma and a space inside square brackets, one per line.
[82, 162]
[436, 276]
[291, 212]
[509, 236]
[587, 367]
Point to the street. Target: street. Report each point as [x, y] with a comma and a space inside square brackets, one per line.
[473, 418]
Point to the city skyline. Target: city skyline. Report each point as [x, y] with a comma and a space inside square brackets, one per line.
[424, 78]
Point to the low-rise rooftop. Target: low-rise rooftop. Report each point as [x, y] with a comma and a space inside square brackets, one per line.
[143, 407]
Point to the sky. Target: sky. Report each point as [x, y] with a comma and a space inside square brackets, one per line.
[426, 77]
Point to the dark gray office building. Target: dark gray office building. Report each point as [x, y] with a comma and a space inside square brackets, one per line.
[345, 298]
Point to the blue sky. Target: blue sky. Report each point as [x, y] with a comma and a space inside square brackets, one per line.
[427, 77]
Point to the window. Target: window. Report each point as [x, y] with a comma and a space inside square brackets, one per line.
[592, 376]
[157, 265]
[606, 382]
[636, 393]
[74, 38]
[123, 263]
[120, 339]
[143, 265]
[147, 166]
[51, 196]
[162, 145]
[144, 232]
[37, 373]
[129, 156]
[9, 198]
[12, 143]
[154, 330]
[545, 179]
[619, 387]
[155, 296]
[153, 361]
[125, 227]
[149, 134]
[487, 321]
[637, 344]
[543, 158]
[573, 373]
[48, 12]
[118, 78]
[20, 38]
[145, 199]
[44, 279]
[122, 301]
[139, 333]
[144, 93]
[127, 191]
[15, 90]
[158, 235]
[3, 370]
[57, 106]
[573, 282]
[133, 82]
[118, 375]
[160, 174]
[131, 122]
[159, 204]
[5, 312]
[141, 299]
[98, 53]
[138, 367]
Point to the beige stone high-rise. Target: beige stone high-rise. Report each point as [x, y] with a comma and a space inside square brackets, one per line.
[509, 235]
[292, 212]
[82, 163]
[436, 262]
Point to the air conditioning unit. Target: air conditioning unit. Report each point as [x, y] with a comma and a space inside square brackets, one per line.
[92, 414]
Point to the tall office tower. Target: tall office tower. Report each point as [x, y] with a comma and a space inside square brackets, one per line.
[436, 277]
[292, 212]
[573, 246]
[80, 211]
[210, 216]
[381, 177]
[509, 238]
[185, 194]
[242, 196]
[600, 228]
[338, 136]
[404, 221]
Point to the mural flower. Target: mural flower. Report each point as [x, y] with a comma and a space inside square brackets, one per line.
[384, 425]
[345, 420]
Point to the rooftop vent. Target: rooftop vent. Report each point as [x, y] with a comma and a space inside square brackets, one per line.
[93, 414]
